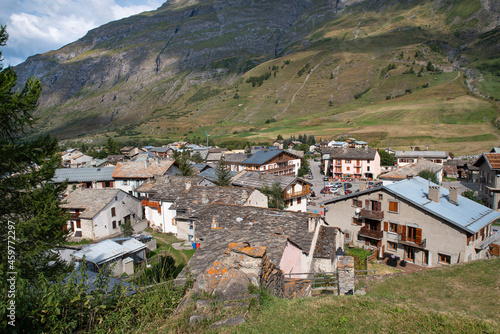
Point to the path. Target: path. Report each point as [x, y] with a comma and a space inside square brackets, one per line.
[303, 84]
[184, 257]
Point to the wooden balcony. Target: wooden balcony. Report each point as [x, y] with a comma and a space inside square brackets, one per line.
[287, 168]
[411, 243]
[296, 194]
[154, 204]
[370, 214]
[366, 232]
[74, 215]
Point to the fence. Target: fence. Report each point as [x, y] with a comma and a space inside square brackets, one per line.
[328, 280]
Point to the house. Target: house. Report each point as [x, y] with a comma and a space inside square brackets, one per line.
[413, 169]
[99, 163]
[130, 151]
[162, 152]
[489, 179]
[211, 175]
[298, 242]
[415, 220]
[293, 143]
[98, 213]
[404, 158]
[91, 177]
[117, 255]
[73, 158]
[338, 144]
[278, 162]
[196, 198]
[351, 162]
[215, 154]
[158, 195]
[131, 174]
[115, 158]
[295, 190]
[279, 144]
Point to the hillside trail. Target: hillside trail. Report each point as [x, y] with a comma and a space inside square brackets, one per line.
[184, 257]
[302, 86]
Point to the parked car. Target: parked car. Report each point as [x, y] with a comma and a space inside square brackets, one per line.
[325, 178]
[328, 190]
[347, 185]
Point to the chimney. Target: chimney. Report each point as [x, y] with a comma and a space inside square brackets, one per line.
[312, 224]
[204, 197]
[215, 224]
[434, 193]
[409, 177]
[244, 195]
[188, 185]
[453, 196]
[146, 163]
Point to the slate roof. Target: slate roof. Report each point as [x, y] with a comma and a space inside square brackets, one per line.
[91, 200]
[350, 153]
[141, 169]
[198, 198]
[167, 187]
[325, 248]
[422, 154]
[492, 159]
[258, 180]
[215, 156]
[236, 158]
[257, 226]
[89, 174]
[160, 149]
[108, 250]
[210, 174]
[411, 169]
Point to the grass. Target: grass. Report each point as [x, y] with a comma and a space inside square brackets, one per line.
[457, 299]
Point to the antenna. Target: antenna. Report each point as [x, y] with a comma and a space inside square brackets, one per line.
[207, 137]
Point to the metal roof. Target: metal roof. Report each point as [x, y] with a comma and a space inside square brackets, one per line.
[467, 215]
[89, 174]
[422, 154]
[108, 250]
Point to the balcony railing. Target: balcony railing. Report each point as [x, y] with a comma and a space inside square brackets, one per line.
[280, 169]
[296, 194]
[370, 214]
[154, 204]
[412, 243]
[366, 232]
[74, 215]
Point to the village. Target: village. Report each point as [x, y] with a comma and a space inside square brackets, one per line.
[409, 216]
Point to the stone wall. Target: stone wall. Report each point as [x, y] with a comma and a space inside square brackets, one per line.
[345, 270]
[272, 278]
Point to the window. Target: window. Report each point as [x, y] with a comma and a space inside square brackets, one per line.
[78, 224]
[412, 234]
[393, 227]
[348, 168]
[392, 246]
[114, 223]
[368, 168]
[380, 196]
[299, 200]
[347, 236]
[393, 206]
[124, 182]
[348, 161]
[444, 259]
[113, 212]
[356, 221]
[119, 223]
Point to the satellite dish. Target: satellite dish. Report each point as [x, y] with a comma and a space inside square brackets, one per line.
[358, 211]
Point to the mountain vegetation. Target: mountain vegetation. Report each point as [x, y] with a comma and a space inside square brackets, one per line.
[426, 69]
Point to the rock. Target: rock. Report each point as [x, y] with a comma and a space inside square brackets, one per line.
[229, 322]
[360, 292]
[232, 284]
[202, 304]
[196, 319]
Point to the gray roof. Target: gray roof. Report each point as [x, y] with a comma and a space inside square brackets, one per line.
[167, 187]
[259, 180]
[160, 149]
[262, 156]
[211, 174]
[325, 248]
[108, 250]
[411, 169]
[91, 200]
[422, 154]
[236, 158]
[257, 226]
[350, 153]
[90, 174]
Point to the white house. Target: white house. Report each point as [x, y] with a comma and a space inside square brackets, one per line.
[407, 157]
[99, 213]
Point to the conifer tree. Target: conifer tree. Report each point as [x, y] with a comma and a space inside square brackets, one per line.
[223, 174]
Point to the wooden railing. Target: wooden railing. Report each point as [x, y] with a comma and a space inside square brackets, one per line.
[295, 194]
[146, 202]
[279, 169]
[365, 232]
[372, 214]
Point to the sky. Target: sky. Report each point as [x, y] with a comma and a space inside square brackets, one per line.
[38, 26]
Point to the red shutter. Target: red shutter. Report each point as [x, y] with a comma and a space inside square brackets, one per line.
[386, 226]
[419, 236]
[360, 203]
[378, 206]
[112, 184]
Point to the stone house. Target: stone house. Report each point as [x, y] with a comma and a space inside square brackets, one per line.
[351, 162]
[295, 190]
[489, 179]
[158, 195]
[415, 220]
[404, 158]
[297, 242]
[130, 175]
[412, 169]
[188, 205]
[98, 213]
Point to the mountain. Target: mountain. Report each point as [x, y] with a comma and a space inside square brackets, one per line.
[251, 69]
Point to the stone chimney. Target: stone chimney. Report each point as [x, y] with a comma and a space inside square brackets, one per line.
[453, 196]
[204, 197]
[187, 185]
[146, 163]
[434, 193]
[244, 195]
[312, 224]
[215, 223]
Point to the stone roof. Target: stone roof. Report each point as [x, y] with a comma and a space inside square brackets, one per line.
[325, 246]
[350, 153]
[245, 224]
[167, 187]
[236, 158]
[259, 180]
[422, 154]
[213, 156]
[411, 169]
[141, 169]
[91, 200]
[198, 198]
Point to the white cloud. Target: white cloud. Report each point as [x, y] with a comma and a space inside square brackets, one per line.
[38, 26]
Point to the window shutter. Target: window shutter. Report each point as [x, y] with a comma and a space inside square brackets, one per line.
[468, 239]
[360, 203]
[112, 184]
[386, 226]
[403, 234]
[399, 229]
[419, 236]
